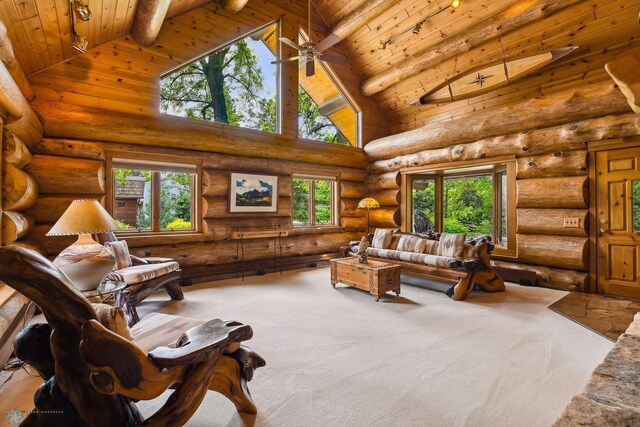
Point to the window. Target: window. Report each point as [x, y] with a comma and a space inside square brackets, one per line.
[474, 200]
[153, 196]
[324, 111]
[234, 84]
[314, 201]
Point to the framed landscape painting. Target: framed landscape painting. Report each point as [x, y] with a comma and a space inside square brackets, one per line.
[253, 193]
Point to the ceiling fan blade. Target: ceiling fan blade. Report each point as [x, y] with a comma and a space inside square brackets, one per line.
[329, 41]
[290, 43]
[334, 59]
[311, 68]
[293, 58]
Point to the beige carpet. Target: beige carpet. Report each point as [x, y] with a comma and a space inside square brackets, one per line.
[337, 358]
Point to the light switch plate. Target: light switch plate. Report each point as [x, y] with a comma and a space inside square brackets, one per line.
[572, 223]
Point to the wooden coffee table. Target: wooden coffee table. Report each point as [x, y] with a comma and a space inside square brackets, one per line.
[375, 277]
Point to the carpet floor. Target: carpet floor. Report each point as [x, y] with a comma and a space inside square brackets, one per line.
[337, 358]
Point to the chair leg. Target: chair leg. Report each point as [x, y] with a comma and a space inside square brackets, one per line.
[227, 381]
[174, 290]
[462, 289]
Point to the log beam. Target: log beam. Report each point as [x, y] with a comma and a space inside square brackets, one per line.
[7, 56]
[549, 277]
[554, 251]
[566, 137]
[514, 17]
[385, 217]
[15, 225]
[624, 71]
[232, 6]
[64, 175]
[552, 221]
[557, 164]
[359, 17]
[567, 192]
[94, 124]
[597, 100]
[14, 151]
[150, 15]
[21, 120]
[19, 189]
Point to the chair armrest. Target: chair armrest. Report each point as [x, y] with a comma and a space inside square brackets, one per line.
[157, 260]
[138, 261]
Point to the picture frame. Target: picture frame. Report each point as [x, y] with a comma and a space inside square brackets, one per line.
[253, 193]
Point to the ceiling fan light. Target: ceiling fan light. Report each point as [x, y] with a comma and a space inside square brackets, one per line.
[455, 4]
[417, 28]
[79, 43]
[81, 10]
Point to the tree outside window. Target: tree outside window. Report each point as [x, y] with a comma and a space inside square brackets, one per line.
[314, 202]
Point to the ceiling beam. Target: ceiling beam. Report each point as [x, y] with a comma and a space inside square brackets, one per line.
[516, 16]
[8, 57]
[150, 15]
[624, 71]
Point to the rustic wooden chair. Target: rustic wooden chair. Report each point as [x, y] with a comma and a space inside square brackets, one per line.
[93, 376]
[161, 273]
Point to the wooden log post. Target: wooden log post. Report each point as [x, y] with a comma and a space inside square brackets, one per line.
[7, 56]
[352, 190]
[65, 175]
[22, 120]
[557, 164]
[148, 20]
[548, 277]
[509, 19]
[575, 104]
[15, 225]
[19, 189]
[567, 192]
[563, 138]
[385, 217]
[554, 251]
[557, 222]
[14, 152]
[624, 71]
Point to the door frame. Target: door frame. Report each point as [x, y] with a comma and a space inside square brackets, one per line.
[593, 147]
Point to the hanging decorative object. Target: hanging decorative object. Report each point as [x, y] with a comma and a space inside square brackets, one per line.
[415, 29]
[81, 11]
[490, 77]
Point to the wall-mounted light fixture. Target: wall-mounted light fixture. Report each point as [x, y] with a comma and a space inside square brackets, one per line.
[81, 11]
[415, 29]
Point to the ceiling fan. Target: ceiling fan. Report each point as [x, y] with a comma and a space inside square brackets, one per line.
[309, 51]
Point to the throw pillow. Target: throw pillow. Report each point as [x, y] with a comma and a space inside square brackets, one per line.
[114, 319]
[120, 250]
[451, 245]
[411, 244]
[381, 238]
[431, 247]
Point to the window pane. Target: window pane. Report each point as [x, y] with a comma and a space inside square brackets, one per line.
[300, 201]
[176, 194]
[235, 84]
[468, 205]
[423, 192]
[323, 201]
[636, 204]
[132, 199]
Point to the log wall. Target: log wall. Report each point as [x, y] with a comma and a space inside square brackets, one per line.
[550, 150]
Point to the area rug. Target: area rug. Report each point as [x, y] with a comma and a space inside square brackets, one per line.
[606, 315]
[337, 358]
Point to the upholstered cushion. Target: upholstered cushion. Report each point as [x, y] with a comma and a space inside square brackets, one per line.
[120, 250]
[140, 273]
[451, 245]
[411, 244]
[157, 329]
[412, 257]
[431, 247]
[114, 319]
[381, 238]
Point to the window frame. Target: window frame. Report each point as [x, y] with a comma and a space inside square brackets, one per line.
[335, 201]
[437, 173]
[113, 159]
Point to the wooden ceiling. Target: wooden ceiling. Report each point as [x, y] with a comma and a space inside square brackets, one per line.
[603, 30]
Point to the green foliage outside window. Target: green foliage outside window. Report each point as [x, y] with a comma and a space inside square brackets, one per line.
[468, 205]
[636, 204]
[323, 201]
[300, 201]
[322, 196]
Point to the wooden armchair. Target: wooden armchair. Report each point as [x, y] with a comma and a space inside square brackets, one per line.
[144, 277]
[93, 376]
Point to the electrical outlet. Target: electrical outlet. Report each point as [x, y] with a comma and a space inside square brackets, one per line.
[572, 223]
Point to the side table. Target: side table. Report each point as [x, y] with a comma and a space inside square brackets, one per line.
[115, 288]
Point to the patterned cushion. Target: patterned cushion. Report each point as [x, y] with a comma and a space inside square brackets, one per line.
[451, 245]
[381, 238]
[411, 244]
[412, 257]
[114, 319]
[140, 273]
[120, 250]
[157, 329]
[431, 247]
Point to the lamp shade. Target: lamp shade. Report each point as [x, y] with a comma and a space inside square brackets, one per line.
[368, 203]
[83, 217]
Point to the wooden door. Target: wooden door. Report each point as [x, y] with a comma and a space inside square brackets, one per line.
[618, 221]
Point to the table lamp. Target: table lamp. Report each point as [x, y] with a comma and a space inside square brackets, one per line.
[368, 203]
[85, 262]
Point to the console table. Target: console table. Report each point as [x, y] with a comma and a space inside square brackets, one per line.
[241, 235]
